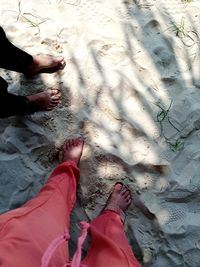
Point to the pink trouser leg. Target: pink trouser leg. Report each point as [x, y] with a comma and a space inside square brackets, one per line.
[109, 246]
[25, 233]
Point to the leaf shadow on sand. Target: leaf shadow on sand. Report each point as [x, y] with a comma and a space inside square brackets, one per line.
[147, 233]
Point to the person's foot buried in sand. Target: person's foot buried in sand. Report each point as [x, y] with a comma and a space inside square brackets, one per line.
[119, 200]
[45, 64]
[72, 150]
[45, 101]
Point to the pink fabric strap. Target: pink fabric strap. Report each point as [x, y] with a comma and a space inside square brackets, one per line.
[76, 260]
[52, 248]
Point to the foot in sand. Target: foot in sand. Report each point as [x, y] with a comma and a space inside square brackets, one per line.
[120, 199]
[45, 64]
[72, 150]
[45, 101]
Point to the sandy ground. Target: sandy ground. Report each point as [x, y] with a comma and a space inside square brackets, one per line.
[131, 89]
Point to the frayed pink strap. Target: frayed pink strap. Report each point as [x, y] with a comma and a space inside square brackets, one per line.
[76, 260]
[52, 248]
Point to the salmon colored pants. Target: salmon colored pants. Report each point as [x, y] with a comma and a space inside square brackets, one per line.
[26, 232]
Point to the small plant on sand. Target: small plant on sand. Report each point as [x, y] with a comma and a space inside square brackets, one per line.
[188, 36]
[143, 3]
[186, 1]
[176, 146]
[179, 28]
[31, 19]
[162, 116]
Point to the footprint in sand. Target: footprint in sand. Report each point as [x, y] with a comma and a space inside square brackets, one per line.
[53, 44]
[152, 27]
[164, 58]
[111, 50]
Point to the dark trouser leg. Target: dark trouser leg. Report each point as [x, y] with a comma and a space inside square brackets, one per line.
[11, 57]
[11, 104]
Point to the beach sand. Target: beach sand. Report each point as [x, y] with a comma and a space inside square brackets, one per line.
[131, 88]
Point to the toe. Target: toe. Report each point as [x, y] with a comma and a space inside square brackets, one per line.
[53, 92]
[127, 193]
[59, 59]
[129, 202]
[54, 102]
[53, 105]
[56, 97]
[118, 186]
[71, 142]
[62, 65]
[74, 142]
[80, 140]
[124, 190]
[128, 197]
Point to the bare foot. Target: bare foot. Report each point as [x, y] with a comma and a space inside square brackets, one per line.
[45, 64]
[45, 101]
[72, 150]
[119, 200]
